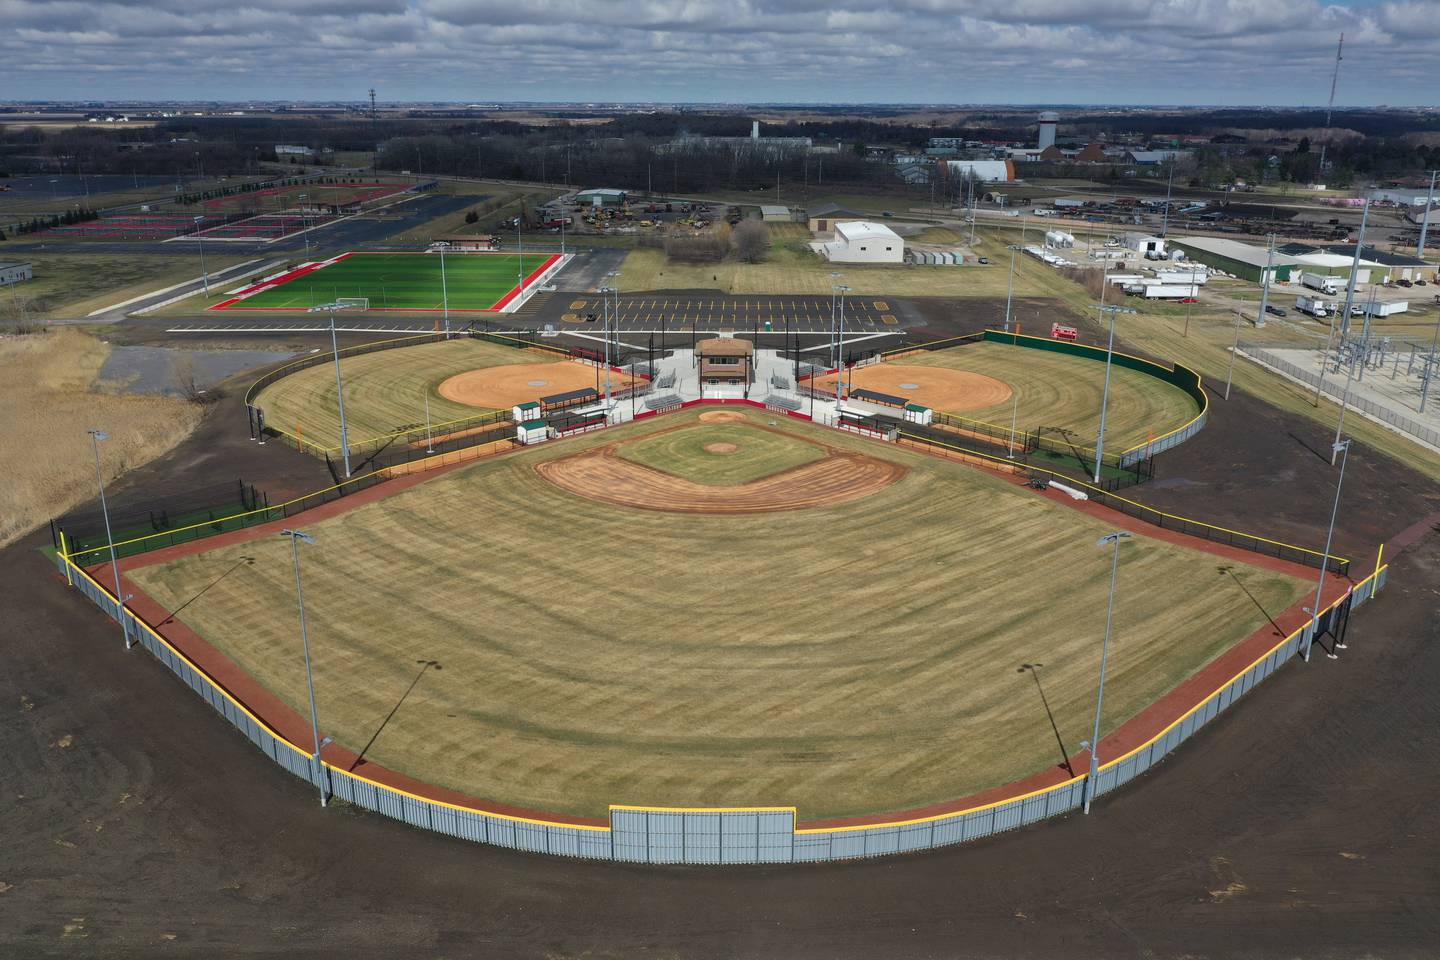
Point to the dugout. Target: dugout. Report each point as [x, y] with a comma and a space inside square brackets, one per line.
[532, 431]
[878, 398]
[572, 398]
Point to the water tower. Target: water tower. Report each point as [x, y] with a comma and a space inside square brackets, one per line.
[1049, 120]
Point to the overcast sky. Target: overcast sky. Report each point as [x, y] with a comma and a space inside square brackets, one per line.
[932, 51]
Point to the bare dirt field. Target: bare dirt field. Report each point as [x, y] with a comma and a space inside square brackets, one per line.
[501, 387]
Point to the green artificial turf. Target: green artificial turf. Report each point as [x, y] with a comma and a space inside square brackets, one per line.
[757, 454]
[404, 281]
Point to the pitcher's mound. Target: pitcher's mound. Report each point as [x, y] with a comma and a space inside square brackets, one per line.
[722, 416]
[720, 448]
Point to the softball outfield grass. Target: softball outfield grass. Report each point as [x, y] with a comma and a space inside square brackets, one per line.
[844, 659]
[1056, 390]
[385, 391]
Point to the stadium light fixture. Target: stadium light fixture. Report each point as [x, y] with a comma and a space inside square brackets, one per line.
[95, 437]
[1343, 450]
[1109, 363]
[1110, 539]
[332, 308]
[316, 767]
[200, 236]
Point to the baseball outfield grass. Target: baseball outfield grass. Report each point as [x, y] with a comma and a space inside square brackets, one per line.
[1057, 390]
[385, 391]
[404, 281]
[845, 659]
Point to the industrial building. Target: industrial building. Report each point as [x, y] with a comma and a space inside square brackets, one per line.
[992, 171]
[863, 241]
[14, 273]
[823, 217]
[1399, 266]
[602, 197]
[1243, 260]
[754, 142]
[775, 214]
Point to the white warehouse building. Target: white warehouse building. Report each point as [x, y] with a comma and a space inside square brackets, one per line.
[861, 241]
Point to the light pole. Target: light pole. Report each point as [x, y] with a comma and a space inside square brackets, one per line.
[429, 442]
[1091, 781]
[316, 767]
[834, 282]
[1109, 362]
[1234, 352]
[304, 224]
[1343, 448]
[1014, 420]
[444, 288]
[204, 274]
[841, 289]
[1010, 286]
[95, 437]
[1345, 393]
[340, 397]
[1430, 366]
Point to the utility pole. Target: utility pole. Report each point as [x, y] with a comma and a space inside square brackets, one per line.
[1330, 108]
[1169, 189]
[1425, 218]
[1349, 302]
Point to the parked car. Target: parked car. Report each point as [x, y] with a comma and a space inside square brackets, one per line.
[1190, 300]
[1419, 283]
[1272, 309]
[1406, 283]
[983, 260]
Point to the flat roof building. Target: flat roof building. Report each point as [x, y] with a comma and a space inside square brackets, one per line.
[863, 241]
[1244, 260]
[775, 214]
[15, 272]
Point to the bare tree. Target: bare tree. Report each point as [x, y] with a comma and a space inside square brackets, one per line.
[751, 239]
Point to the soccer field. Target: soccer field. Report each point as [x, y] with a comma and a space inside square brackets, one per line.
[401, 281]
[846, 658]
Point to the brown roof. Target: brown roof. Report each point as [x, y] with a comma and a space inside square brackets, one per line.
[724, 347]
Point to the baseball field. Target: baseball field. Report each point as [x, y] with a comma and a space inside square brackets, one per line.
[386, 391]
[846, 652]
[401, 281]
[981, 381]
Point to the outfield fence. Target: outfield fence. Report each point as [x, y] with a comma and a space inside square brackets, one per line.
[713, 835]
[1168, 521]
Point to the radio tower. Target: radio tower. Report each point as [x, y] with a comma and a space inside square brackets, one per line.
[1334, 79]
[372, 102]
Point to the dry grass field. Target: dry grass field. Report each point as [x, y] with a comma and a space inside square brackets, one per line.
[47, 404]
[1057, 390]
[789, 269]
[71, 285]
[384, 391]
[843, 659]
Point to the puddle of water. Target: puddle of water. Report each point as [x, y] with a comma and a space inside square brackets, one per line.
[160, 370]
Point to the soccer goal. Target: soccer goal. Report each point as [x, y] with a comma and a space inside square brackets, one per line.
[353, 303]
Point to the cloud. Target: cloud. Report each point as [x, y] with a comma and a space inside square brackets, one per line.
[914, 51]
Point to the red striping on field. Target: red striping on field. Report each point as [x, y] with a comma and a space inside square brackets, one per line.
[232, 303]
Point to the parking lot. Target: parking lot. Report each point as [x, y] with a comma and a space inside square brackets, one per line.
[717, 313]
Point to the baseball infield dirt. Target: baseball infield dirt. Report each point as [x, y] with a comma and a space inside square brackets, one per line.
[954, 391]
[501, 387]
[721, 416]
[602, 475]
